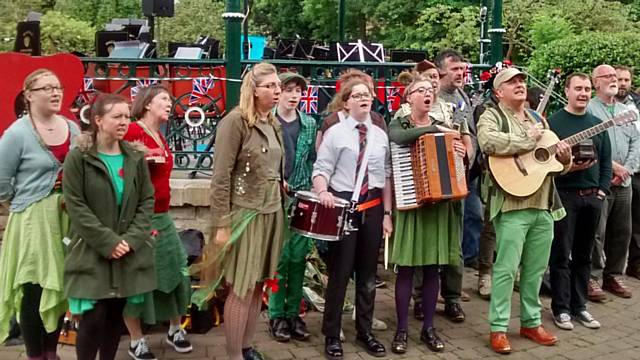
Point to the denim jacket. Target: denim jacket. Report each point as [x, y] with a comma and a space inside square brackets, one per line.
[28, 170]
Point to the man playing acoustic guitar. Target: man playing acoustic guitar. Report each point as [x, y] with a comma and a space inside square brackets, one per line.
[523, 225]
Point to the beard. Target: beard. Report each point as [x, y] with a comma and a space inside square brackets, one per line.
[622, 93]
[611, 91]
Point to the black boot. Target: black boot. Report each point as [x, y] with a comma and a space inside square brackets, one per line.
[298, 329]
[399, 343]
[279, 329]
[333, 348]
[431, 339]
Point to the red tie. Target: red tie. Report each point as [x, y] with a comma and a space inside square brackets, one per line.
[362, 131]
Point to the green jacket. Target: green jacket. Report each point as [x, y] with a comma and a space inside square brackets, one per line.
[300, 178]
[97, 226]
[240, 174]
[498, 138]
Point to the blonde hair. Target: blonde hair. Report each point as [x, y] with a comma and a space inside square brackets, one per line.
[417, 78]
[29, 82]
[247, 105]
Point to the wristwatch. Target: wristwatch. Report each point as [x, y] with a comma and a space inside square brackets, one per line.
[387, 212]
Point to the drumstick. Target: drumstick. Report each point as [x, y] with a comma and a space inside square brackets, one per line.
[386, 251]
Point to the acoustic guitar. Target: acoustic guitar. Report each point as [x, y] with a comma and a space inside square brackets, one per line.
[522, 174]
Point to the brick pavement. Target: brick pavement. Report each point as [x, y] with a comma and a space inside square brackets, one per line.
[618, 339]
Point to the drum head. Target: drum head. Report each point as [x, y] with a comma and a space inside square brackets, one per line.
[313, 197]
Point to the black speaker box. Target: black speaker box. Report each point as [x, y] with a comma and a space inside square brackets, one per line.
[158, 8]
[28, 38]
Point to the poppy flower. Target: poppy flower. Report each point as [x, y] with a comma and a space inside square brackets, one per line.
[121, 172]
[272, 284]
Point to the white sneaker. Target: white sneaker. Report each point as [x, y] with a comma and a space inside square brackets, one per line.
[141, 351]
[563, 321]
[587, 320]
[376, 324]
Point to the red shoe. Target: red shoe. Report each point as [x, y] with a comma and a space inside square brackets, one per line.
[539, 335]
[499, 342]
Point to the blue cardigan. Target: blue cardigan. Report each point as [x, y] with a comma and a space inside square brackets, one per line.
[28, 170]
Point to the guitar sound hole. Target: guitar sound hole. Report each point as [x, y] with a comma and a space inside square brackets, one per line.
[542, 155]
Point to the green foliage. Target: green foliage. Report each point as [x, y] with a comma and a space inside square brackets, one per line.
[584, 52]
[99, 12]
[192, 18]
[546, 29]
[12, 12]
[61, 33]
[443, 26]
[279, 19]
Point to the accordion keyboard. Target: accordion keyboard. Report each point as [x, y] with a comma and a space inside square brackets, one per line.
[403, 184]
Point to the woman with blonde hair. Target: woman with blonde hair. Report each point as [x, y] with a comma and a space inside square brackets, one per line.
[247, 212]
[33, 149]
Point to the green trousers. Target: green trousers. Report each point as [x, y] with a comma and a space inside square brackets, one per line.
[523, 239]
[285, 303]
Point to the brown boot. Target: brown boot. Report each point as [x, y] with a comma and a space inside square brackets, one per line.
[615, 285]
[539, 334]
[595, 292]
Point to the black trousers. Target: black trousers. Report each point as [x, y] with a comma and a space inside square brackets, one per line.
[570, 260]
[356, 252]
[634, 245]
[100, 330]
[36, 339]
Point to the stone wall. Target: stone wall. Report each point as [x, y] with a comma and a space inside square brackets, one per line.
[190, 204]
[4, 215]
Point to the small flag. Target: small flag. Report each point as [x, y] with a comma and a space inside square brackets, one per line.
[468, 74]
[200, 87]
[139, 85]
[309, 100]
[88, 85]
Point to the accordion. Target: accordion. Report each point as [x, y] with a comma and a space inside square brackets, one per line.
[428, 171]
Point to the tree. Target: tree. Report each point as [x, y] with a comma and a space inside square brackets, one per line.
[62, 33]
[192, 18]
[99, 12]
[584, 52]
[443, 26]
[14, 11]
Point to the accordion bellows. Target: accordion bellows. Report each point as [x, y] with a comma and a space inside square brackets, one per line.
[428, 171]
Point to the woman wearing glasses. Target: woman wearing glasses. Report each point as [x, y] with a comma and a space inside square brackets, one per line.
[341, 157]
[426, 237]
[32, 256]
[247, 212]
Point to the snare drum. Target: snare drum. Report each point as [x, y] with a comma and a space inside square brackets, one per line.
[310, 218]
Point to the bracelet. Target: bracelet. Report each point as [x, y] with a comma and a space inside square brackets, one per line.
[323, 191]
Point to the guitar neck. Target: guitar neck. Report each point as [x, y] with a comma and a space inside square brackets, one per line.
[589, 133]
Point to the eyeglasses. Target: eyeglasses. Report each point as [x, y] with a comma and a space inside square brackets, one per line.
[607, 76]
[422, 91]
[361, 96]
[271, 86]
[49, 89]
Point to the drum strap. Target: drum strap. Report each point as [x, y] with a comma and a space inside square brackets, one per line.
[368, 204]
[363, 167]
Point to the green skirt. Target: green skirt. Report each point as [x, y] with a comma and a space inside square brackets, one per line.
[32, 252]
[171, 298]
[255, 254]
[429, 235]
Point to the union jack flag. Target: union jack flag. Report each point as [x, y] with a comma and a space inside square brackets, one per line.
[139, 85]
[88, 85]
[200, 87]
[393, 98]
[468, 74]
[309, 100]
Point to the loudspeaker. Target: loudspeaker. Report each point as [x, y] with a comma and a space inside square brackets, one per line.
[158, 8]
[408, 55]
[28, 38]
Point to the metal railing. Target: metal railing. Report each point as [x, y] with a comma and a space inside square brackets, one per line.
[191, 129]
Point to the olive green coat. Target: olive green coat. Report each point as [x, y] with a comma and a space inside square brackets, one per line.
[97, 226]
[241, 167]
